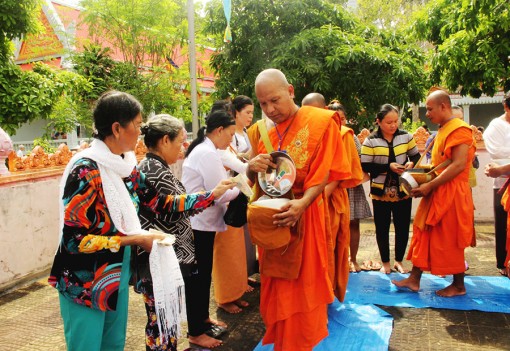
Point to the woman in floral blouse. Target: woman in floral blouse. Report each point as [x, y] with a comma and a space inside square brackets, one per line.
[101, 192]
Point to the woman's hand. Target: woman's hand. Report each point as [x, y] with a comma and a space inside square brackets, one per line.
[260, 163]
[222, 188]
[409, 165]
[397, 168]
[493, 170]
[146, 240]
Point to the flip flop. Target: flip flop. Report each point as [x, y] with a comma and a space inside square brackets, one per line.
[215, 331]
[376, 266]
[366, 265]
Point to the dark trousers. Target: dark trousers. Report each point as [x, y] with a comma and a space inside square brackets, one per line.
[383, 211]
[500, 218]
[198, 286]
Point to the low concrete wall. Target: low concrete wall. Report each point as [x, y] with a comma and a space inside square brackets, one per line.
[28, 229]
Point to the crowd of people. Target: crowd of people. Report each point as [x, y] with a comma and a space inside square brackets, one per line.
[116, 215]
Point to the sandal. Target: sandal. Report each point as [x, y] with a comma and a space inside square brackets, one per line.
[215, 331]
[366, 266]
[400, 268]
[376, 266]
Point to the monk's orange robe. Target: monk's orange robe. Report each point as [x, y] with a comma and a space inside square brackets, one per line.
[444, 222]
[505, 201]
[295, 310]
[339, 215]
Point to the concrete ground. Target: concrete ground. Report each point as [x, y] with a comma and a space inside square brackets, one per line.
[30, 317]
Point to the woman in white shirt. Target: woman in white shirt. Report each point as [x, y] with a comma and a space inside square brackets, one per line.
[203, 169]
[234, 254]
[497, 143]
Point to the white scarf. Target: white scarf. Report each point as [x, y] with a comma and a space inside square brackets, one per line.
[168, 284]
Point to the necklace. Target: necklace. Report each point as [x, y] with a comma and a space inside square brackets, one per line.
[282, 136]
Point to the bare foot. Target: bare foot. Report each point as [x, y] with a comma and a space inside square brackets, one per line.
[241, 303]
[354, 267]
[409, 283]
[386, 269]
[451, 291]
[230, 307]
[216, 322]
[249, 289]
[205, 341]
[399, 267]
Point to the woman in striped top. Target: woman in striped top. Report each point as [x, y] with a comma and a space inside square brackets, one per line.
[385, 155]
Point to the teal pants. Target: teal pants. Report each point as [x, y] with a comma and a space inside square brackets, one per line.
[87, 329]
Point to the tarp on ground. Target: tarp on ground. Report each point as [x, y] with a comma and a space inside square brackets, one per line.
[353, 327]
[487, 294]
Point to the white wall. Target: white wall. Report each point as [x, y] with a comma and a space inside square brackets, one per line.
[28, 229]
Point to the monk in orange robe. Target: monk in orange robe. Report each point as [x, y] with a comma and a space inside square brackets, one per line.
[294, 296]
[494, 170]
[338, 207]
[444, 222]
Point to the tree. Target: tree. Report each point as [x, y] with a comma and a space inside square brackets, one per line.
[17, 18]
[387, 14]
[146, 33]
[321, 48]
[471, 42]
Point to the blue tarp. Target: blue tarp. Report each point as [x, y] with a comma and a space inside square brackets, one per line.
[353, 327]
[487, 294]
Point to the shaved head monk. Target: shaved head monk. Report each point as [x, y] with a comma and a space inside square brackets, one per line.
[338, 207]
[315, 100]
[444, 223]
[295, 287]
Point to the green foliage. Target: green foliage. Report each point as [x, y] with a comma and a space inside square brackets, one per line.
[321, 48]
[472, 44]
[411, 126]
[387, 14]
[16, 19]
[28, 95]
[44, 143]
[145, 31]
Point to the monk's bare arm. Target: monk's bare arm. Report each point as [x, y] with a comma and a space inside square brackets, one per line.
[459, 159]
[330, 187]
[294, 209]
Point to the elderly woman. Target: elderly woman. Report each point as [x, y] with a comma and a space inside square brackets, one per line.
[164, 137]
[101, 192]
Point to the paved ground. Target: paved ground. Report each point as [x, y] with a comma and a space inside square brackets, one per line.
[30, 319]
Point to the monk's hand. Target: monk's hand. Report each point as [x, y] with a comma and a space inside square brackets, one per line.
[422, 190]
[260, 163]
[397, 168]
[409, 165]
[290, 213]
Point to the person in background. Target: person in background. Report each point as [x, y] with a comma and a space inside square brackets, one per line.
[101, 192]
[444, 222]
[164, 137]
[338, 216]
[21, 151]
[385, 155]
[231, 247]
[494, 170]
[497, 143]
[203, 169]
[359, 207]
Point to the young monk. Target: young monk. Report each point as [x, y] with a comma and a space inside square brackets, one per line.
[294, 305]
[444, 222]
[338, 213]
[494, 170]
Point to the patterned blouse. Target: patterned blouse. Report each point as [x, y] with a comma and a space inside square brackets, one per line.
[92, 278]
[159, 175]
